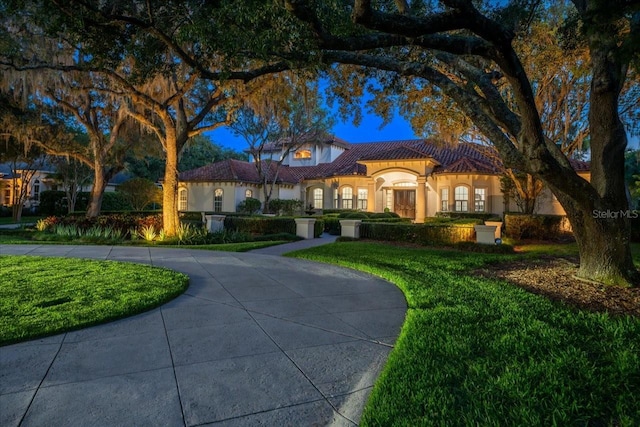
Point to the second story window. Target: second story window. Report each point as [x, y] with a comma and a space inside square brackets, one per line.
[302, 154]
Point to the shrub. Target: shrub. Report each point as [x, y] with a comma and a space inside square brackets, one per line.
[249, 206]
[287, 207]
[423, 234]
[140, 193]
[355, 215]
[55, 202]
[257, 225]
[332, 225]
[538, 227]
[318, 227]
[115, 201]
[459, 215]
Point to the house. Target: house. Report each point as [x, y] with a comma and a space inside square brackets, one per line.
[12, 179]
[414, 178]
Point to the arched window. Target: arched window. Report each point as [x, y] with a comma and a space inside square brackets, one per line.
[248, 193]
[182, 199]
[347, 198]
[318, 198]
[217, 200]
[302, 154]
[36, 189]
[461, 194]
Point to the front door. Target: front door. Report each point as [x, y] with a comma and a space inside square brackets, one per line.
[404, 203]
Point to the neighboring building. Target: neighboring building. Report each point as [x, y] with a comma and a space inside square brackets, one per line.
[414, 178]
[11, 182]
[41, 179]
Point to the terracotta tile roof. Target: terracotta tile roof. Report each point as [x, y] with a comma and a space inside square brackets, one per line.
[234, 170]
[579, 165]
[461, 158]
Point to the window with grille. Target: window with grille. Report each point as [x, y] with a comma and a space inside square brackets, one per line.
[480, 197]
[362, 199]
[217, 200]
[182, 199]
[444, 199]
[318, 198]
[248, 193]
[461, 194]
[347, 198]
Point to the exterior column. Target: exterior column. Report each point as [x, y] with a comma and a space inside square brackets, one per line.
[421, 200]
[371, 196]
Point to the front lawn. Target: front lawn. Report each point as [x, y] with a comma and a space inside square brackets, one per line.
[42, 296]
[479, 351]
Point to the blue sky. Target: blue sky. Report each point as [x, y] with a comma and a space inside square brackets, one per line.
[368, 131]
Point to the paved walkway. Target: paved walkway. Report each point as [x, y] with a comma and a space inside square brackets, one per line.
[255, 340]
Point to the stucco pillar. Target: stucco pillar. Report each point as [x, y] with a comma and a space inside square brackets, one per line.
[304, 227]
[350, 228]
[215, 223]
[421, 200]
[371, 196]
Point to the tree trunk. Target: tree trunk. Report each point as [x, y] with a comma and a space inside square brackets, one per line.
[16, 212]
[602, 236]
[97, 192]
[170, 219]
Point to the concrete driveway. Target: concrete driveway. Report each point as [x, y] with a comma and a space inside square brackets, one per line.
[255, 340]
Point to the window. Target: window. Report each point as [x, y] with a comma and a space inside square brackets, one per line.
[347, 198]
[217, 200]
[7, 196]
[388, 204]
[462, 199]
[362, 199]
[302, 154]
[182, 199]
[318, 198]
[36, 190]
[444, 199]
[480, 197]
[248, 193]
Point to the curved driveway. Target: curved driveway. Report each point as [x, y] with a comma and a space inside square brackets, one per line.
[255, 340]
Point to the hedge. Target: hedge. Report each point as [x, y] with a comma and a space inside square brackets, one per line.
[422, 234]
[462, 215]
[54, 203]
[539, 227]
[267, 225]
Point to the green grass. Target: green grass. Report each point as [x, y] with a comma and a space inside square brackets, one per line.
[475, 351]
[566, 249]
[24, 220]
[41, 296]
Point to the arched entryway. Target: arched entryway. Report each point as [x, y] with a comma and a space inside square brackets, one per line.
[397, 191]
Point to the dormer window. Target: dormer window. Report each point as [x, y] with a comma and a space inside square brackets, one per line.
[302, 154]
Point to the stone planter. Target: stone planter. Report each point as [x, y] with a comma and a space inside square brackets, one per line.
[498, 225]
[350, 228]
[304, 227]
[485, 234]
[214, 223]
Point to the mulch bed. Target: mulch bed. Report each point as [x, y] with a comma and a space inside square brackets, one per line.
[553, 278]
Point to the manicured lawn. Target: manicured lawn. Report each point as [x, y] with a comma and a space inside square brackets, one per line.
[24, 220]
[566, 249]
[43, 296]
[476, 351]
